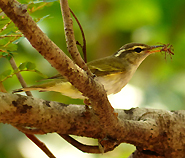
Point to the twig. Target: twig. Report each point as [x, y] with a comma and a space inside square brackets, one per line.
[70, 38]
[10, 41]
[5, 26]
[80, 146]
[41, 145]
[83, 36]
[34, 139]
[89, 148]
[3, 36]
[39, 7]
[19, 76]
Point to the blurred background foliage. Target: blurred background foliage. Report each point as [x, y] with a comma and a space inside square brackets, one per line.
[107, 25]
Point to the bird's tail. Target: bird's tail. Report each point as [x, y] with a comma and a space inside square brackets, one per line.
[18, 90]
[27, 89]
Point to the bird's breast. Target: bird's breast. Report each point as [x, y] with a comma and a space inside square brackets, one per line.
[113, 83]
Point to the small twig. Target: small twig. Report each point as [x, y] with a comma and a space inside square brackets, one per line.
[34, 10]
[70, 38]
[19, 76]
[9, 42]
[83, 36]
[2, 88]
[3, 36]
[80, 146]
[108, 144]
[6, 25]
[41, 145]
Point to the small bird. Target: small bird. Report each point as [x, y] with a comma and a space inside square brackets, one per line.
[113, 72]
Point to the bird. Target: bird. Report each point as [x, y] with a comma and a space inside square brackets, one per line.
[113, 72]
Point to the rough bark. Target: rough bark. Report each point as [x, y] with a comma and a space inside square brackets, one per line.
[154, 132]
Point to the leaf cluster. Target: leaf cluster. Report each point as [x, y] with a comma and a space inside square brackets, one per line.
[10, 36]
[26, 66]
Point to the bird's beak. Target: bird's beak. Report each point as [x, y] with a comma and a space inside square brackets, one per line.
[151, 49]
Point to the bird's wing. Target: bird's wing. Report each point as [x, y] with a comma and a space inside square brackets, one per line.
[101, 67]
[106, 66]
[56, 77]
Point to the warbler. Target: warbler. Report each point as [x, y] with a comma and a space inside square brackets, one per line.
[113, 72]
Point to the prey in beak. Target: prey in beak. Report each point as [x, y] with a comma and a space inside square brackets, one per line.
[166, 48]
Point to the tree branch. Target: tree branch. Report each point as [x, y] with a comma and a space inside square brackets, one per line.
[41, 145]
[70, 38]
[80, 146]
[150, 130]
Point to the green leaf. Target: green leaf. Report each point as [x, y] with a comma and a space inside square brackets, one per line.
[6, 73]
[12, 47]
[41, 19]
[8, 55]
[8, 29]
[22, 66]
[5, 54]
[40, 73]
[30, 66]
[16, 71]
[18, 40]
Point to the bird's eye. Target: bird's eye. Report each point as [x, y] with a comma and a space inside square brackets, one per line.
[138, 50]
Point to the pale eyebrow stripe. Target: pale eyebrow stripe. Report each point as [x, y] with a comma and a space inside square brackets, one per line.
[119, 52]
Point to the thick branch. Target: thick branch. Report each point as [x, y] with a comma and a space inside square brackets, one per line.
[158, 131]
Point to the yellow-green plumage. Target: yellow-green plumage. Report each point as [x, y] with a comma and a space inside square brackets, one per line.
[114, 72]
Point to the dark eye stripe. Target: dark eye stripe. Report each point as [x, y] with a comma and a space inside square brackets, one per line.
[138, 50]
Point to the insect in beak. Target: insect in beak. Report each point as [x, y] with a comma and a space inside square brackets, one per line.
[166, 48]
